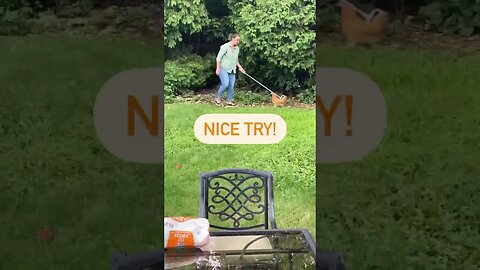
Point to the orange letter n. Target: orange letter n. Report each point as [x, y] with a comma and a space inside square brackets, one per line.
[133, 106]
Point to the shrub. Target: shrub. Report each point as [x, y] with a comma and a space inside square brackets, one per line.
[453, 16]
[308, 96]
[209, 63]
[18, 4]
[72, 8]
[278, 40]
[218, 29]
[183, 17]
[251, 98]
[46, 22]
[14, 15]
[327, 16]
[184, 74]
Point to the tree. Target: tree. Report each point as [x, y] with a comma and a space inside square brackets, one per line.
[278, 39]
[183, 17]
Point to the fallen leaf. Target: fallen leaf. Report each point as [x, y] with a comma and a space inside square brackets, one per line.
[44, 234]
[178, 166]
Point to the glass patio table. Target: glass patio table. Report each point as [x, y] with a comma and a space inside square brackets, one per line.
[240, 249]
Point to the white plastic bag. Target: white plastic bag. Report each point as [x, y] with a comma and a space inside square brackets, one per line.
[185, 232]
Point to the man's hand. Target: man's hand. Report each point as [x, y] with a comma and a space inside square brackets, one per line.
[217, 72]
[241, 70]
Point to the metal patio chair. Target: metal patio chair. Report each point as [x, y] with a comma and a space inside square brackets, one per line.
[237, 197]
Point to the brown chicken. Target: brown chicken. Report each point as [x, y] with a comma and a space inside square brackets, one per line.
[362, 28]
[279, 101]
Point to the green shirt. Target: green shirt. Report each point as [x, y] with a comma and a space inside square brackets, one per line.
[228, 57]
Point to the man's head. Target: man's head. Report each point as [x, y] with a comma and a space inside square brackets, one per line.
[235, 39]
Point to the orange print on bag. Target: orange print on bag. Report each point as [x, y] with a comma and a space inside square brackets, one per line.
[180, 239]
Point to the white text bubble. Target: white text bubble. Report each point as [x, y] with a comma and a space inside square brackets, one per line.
[240, 128]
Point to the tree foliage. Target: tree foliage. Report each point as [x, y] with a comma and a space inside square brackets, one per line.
[453, 16]
[278, 40]
[183, 17]
[327, 16]
[13, 15]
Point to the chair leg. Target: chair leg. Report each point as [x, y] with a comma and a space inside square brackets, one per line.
[290, 258]
[275, 257]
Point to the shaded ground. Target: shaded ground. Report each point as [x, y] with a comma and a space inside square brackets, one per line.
[413, 37]
[207, 96]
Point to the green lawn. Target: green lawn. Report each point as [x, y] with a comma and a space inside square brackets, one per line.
[414, 203]
[291, 161]
[54, 173]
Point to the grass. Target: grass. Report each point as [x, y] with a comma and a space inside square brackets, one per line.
[413, 203]
[54, 173]
[291, 161]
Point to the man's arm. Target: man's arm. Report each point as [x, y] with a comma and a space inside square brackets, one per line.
[240, 68]
[220, 54]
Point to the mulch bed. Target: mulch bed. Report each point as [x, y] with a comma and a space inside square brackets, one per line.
[202, 98]
[413, 37]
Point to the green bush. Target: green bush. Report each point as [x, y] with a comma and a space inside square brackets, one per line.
[210, 63]
[218, 29]
[18, 4]
[278, 41]
[71, 8]
[46, 22]
[183, 17]
[308, 96]
[14, 16]
[251, 98]
[327, 16]
[184, 74]
[453, 16]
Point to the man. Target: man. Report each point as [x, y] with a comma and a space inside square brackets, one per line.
[227, 63]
